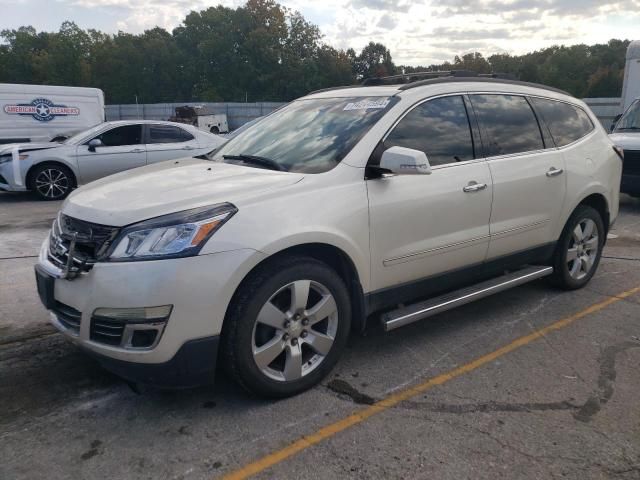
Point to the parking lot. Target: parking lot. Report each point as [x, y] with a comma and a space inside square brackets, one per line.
[534, 383]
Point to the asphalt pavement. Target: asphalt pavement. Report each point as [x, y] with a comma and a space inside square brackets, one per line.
[531, 383]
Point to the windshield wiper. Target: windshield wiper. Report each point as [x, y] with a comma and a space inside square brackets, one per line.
[256, 160]
[627, 128]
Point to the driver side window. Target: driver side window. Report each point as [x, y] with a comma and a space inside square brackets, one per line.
[119, 136]
[440, 128]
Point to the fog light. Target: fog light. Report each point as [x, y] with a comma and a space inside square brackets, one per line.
[135, 315]
[130, 328]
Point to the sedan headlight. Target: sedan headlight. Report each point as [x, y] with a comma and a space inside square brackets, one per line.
[8, 157]
[180, 234]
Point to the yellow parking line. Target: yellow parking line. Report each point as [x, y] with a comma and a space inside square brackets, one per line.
[392, 400]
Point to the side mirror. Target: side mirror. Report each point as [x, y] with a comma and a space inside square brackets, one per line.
[405, 161]
[615, 120]
[93, 143]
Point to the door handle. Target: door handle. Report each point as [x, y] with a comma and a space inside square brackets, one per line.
[137, 150]
[474, 187]
[553, 171]
[188, 147]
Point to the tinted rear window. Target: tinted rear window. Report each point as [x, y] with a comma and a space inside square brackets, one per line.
[440, 128]
[508, 124]
[168, 134]
[567, 123]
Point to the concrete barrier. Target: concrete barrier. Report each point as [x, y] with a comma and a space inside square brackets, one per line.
[237, 113]
[605, 109]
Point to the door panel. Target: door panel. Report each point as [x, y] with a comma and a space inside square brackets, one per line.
[526, 201]
[123, 149]
[528, 174]
[421, 225]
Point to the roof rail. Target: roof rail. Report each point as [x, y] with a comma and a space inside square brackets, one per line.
[419, 79]
[416, 76]
[483, 79]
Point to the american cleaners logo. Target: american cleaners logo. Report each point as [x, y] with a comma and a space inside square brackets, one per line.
[41, 109]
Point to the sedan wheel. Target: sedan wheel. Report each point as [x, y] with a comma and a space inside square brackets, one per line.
[52, 183]
[295, 330]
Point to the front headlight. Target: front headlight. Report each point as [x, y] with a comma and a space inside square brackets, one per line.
[8, 157]
[180, 234]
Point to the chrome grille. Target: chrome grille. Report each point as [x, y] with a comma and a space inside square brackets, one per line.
[90, 242]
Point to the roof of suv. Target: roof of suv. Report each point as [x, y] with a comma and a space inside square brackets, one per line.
[472, 83]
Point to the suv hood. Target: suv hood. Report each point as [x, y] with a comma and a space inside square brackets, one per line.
[147, 192]
[626, 140]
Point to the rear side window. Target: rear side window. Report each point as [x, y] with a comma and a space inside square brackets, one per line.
[566, 122]
[440, 128]
[168, 134]
[119, 136]
[508, 124]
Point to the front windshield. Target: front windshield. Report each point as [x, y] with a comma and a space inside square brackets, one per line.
[309, 136]
[79, 136]
[630, 120]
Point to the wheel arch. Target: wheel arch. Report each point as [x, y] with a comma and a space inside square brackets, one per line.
[594, 196]
[335, 258]
[599, 202]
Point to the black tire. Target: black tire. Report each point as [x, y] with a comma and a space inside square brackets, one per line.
[241, 326]
[215, 130]
[562, 276]
[61, 181]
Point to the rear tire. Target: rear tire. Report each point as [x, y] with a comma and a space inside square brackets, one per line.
[579, 249]
[215, 130]
[286, 327]
[51, 181]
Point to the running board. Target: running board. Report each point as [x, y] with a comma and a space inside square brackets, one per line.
[412, 313]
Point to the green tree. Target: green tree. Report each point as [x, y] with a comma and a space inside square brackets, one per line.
[374, 61]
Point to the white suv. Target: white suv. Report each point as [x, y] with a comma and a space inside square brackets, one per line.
[403, 200]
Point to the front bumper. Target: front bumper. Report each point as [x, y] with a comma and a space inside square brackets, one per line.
[199, 288]
[194, 364]
[9, 172]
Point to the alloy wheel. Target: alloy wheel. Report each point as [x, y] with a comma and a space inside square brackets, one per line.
[295, 330]
[52, 183]
[583, 249]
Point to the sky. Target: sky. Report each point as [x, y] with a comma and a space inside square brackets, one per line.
[418, 32]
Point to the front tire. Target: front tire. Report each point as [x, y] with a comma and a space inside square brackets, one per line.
[52, 181]
[287, 326]
[579, 249]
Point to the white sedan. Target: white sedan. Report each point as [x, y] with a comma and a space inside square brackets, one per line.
[52, 170]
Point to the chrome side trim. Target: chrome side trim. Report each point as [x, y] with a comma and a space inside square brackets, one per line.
[521, 228]
[418, 311]
[432, 251]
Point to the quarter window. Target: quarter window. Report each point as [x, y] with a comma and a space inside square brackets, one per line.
[566, 122]
[508, 124]
[439, 128]
[168, 134]
[119, 136]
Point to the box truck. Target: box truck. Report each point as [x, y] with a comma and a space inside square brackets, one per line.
[44, 113]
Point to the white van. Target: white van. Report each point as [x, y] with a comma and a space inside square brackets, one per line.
[43, 113]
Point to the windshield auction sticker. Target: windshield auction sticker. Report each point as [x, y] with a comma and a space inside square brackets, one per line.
[367, 104]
